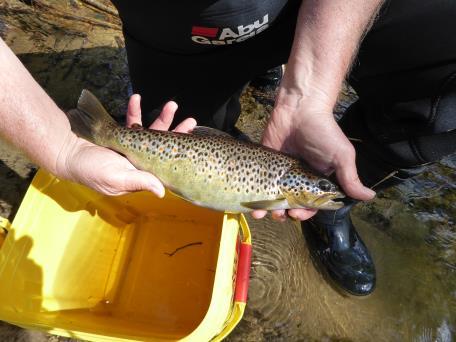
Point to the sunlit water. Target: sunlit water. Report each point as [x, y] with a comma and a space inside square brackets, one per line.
[413, 243]
[410, 231]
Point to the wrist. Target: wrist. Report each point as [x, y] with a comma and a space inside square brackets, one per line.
[67, 152]
[298, 101]
[307, 90]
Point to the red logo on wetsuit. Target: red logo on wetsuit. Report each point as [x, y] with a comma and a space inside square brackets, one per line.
[227, 35]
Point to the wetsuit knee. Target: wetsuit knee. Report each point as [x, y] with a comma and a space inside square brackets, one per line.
[402, 135]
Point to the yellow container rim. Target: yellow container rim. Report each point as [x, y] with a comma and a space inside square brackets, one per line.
[241, 282]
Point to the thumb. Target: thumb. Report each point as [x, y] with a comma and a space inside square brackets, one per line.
[348, 178]
[137, 180]
[271, 138]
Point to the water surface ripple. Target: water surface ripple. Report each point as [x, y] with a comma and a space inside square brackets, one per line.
[411, 234]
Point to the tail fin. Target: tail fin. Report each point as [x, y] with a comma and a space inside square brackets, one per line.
[90, 120]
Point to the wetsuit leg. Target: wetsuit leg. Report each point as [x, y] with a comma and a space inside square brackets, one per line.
[405, 117]
[207, 86]
[405, 76]
[189, 80]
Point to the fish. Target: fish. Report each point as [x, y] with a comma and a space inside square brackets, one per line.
[208, 167]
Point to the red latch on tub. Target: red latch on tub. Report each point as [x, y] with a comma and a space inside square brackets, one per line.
[243, 273]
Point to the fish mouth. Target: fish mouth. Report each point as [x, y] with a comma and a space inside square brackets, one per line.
[328, 201]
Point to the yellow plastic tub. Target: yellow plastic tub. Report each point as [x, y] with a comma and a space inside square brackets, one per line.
[130, 268]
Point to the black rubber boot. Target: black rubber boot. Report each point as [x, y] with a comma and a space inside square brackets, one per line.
[338, 249]
[331, 236]
[404, 118]
[268, 81]
[334, 242]
[384, 159]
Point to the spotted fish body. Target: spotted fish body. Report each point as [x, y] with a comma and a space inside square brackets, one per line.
[209, 169]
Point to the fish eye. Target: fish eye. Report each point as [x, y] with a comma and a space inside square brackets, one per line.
[324, 185]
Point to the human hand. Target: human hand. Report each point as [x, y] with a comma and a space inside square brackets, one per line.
[315, 136]
[107, 171]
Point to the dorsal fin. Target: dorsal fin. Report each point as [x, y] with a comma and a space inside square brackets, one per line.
[208, 131]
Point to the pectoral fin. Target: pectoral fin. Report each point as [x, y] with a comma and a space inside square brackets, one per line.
[280, 203]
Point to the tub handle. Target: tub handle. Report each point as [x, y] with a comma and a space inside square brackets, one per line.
[244, 261]
[241, 286]
[243, 273]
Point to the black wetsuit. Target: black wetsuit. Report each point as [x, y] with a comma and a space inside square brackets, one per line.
[202, 53]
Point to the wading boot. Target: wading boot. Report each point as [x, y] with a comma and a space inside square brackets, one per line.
[268, 81]
[338, 249]
[387, 153]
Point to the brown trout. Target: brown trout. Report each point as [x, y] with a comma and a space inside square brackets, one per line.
[208, 167]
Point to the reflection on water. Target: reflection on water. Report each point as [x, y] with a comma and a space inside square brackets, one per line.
[410, 232]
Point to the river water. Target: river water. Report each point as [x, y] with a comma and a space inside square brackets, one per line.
[414, 252]
[411, 232]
